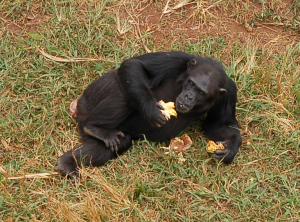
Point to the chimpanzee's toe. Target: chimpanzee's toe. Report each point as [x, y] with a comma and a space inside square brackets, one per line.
[66, 168]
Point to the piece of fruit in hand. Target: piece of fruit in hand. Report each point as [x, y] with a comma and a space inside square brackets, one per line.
[168, 109]
[212, 147]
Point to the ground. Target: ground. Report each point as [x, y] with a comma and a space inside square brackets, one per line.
[258, 43]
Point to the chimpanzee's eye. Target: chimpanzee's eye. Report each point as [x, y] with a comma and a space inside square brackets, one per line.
[200, 92]
[191, 83]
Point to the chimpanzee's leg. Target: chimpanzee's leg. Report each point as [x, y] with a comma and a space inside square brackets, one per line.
[100, 113]
[92, 153]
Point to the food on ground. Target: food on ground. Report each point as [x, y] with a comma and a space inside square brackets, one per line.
[179, 144]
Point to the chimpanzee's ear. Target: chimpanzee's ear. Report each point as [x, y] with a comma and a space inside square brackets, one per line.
[192, 64]
[222, 91]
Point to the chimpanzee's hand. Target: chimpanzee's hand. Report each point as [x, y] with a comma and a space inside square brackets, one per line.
[154, 115]
[109, 136]
[112, 140]
[160, 106]
[226, 155]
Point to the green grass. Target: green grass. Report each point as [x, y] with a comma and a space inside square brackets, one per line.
[144, 184]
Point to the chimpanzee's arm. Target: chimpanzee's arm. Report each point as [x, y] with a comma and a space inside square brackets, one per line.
[135, 81]
[221, 125]
[140, 74]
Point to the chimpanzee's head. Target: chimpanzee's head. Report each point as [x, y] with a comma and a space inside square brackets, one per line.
[204, 84]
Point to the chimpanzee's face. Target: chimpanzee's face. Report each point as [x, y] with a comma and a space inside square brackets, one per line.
[201, 88]
[194, 92]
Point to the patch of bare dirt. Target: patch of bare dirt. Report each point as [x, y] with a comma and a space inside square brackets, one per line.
[167, 22]
[28, 23]
[239, 22]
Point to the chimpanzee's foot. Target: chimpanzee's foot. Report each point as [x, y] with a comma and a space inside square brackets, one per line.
[73, 108]
[91, 153]
[67, 166]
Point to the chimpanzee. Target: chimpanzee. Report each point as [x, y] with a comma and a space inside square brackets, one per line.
[122, 106]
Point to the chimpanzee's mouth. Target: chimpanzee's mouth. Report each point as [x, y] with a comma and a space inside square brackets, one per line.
[181, 107]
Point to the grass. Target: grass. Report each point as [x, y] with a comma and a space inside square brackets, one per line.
[145, 184]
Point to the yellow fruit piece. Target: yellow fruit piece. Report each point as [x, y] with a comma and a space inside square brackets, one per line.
[168, 109]
[212, 147]
[168, 105]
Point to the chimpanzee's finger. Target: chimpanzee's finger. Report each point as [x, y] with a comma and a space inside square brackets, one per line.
[120, 133]
[160, 106]
[112, 149]
[157, 125]
[162, 120]
[113, 146]
[215, 156]
[222, 152]
[107, 144]
[116, 148]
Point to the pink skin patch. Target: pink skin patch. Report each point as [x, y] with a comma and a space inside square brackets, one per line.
[73, 108]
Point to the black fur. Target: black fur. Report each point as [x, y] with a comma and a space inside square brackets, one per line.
[122, 105]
